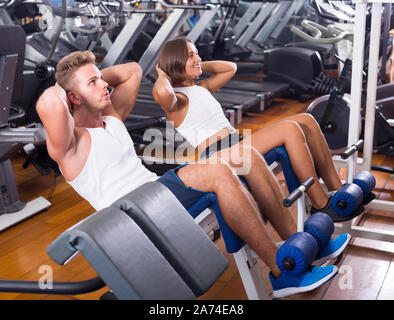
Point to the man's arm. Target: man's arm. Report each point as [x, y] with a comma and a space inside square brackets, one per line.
[125, 79]
[53, 111]
[222, 71]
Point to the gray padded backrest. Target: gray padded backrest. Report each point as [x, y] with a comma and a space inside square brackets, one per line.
[122, 255]
[173, 231]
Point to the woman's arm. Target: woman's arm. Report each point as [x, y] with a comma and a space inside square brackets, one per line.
[164, 94]
[222, 71]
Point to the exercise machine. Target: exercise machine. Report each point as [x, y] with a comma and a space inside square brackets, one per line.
[332, 109]
[12, 209]
[135, 252]
[355, 162]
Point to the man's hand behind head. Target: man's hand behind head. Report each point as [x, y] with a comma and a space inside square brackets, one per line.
[63, 96]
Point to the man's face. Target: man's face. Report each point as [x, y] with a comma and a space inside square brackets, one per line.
[91, 89]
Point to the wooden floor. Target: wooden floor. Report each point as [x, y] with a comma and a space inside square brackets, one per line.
[366, 269]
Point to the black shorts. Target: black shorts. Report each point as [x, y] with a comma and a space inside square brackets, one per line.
[222, 144]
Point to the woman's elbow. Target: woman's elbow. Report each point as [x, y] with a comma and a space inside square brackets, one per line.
[164, 98]
[162, 93]
[234, 67]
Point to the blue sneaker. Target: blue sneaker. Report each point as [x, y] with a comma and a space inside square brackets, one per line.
[286, 284]
[332, 249]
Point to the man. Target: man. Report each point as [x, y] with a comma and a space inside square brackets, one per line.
[87, 138]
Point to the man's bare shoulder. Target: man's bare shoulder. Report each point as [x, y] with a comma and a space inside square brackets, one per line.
[73, 161]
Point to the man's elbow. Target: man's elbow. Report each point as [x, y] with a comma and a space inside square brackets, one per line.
[135, 70]
[44, 100]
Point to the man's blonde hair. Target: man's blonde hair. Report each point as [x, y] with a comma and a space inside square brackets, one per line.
[68, 64]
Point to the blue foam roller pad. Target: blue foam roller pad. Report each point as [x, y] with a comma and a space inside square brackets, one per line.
[350, 194]
[302, 248]
[321, 227]
[365, 180]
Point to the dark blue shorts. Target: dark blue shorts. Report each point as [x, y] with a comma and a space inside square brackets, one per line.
[186, 196]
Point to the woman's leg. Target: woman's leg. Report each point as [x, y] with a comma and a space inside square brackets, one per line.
[318, 146]
[290, 135]
[246, 161]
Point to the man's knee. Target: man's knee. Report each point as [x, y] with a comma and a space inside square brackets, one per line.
[222, 169]
[221, 175]
[208, 177]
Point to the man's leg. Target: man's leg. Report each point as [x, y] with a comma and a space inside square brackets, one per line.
[236, 204]
[242, 216]
[263, 185]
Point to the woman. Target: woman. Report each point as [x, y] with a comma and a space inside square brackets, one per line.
[198, 116]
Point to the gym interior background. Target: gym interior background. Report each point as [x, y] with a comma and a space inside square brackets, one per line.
[332, 59]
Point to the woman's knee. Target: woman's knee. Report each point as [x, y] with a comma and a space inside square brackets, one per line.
[308, 122]
[256, 158]
[293, 131]
[256, 162]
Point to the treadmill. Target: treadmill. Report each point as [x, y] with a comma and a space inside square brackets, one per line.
[269, 23]
[246, 27]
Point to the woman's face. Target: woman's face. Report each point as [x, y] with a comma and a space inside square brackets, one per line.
[193, 63]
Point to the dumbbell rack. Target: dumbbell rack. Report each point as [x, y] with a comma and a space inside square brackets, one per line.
[354, 162]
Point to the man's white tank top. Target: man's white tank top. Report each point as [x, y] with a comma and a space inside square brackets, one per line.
[204, 118]
[113, 168]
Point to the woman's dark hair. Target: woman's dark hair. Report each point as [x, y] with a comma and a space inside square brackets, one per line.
[173, 57]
